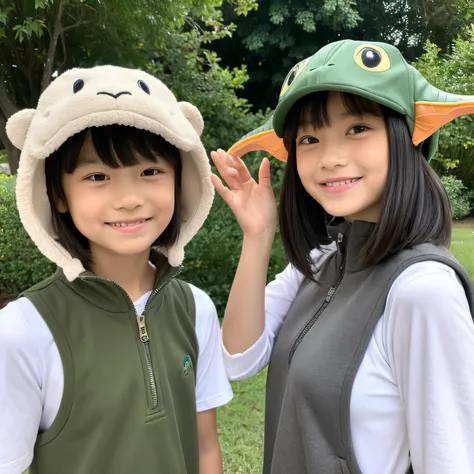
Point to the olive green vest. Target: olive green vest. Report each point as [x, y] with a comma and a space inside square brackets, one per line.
[129, 403]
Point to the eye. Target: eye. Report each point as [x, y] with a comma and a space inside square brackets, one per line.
[372, 58]
[293, 74]
[151, 172]
[308, 140]
[143, 86]
[356, 129]
[78, 85]
[97, 177]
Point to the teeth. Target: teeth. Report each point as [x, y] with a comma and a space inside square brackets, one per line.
[340, 183]
[125, 224]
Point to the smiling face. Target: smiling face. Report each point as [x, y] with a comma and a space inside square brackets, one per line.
[119, 210]
[118, 205]
[342, 157]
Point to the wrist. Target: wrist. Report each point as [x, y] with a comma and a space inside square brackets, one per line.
[262, 241]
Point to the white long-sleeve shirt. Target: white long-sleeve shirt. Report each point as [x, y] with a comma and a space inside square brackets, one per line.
[413, 395]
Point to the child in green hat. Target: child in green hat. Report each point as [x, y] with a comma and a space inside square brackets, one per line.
[368, 332]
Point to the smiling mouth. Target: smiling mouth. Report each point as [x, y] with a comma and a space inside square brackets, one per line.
[341, 183]
[127, 224]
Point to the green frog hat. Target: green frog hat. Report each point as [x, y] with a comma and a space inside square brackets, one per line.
[376, 71]
[99, 96]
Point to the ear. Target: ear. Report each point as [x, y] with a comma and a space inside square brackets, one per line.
[193, 115]
[18, 125]
[61, 205]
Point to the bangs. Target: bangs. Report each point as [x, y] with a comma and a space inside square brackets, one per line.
[131, 143]
[313, 109]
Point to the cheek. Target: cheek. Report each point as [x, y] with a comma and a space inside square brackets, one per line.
[305, 166]
[164, 196]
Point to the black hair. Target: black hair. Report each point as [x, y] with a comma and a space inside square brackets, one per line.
[415, 205]
[131, 142]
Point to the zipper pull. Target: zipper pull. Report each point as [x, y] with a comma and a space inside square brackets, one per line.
[142, 332]
[331, 292]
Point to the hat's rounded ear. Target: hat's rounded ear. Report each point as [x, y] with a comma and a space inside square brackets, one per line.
[193, 115]
[18, 125]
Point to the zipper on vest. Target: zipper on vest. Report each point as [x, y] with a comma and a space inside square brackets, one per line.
[144, 338]
[142, 330]
[327, 300]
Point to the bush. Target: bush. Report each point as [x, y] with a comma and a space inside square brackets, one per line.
[21, 263]
[458, 196]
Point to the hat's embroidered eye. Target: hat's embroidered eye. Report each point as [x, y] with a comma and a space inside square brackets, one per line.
[372, 58]
[78, 85]
[293, 74]
[144, 86]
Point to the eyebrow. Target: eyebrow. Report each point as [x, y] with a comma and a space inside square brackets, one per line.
[347, 113]
[89, 160]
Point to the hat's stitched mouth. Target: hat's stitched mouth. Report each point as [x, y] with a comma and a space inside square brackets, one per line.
[115, 96]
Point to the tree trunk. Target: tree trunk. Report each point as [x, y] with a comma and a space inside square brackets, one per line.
[7, 109]
[53, 43]
[12, 152]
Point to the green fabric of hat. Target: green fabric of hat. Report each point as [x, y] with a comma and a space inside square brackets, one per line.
[374, 70]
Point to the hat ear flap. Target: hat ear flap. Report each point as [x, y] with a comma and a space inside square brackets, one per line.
[18, 125]
[193, 115]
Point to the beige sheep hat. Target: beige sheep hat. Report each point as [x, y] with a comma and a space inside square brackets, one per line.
[106, 95]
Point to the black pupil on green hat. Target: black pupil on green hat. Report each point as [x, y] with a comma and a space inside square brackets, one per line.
[371, 58]
[291, 77]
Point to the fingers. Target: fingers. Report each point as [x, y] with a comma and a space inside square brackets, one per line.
[226, 163]
[264, 173]
[224, 192]
[236, 163]
[229, 174]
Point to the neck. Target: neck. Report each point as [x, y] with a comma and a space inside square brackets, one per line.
[133, 273]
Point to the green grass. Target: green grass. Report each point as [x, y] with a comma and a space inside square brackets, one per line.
[462, 246]
[241, 421]
[241, 427]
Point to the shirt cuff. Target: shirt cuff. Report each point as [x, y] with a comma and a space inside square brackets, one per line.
[215, 401]
[244, 365]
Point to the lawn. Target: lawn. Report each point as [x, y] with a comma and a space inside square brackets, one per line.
[241, 421]
[462, 246]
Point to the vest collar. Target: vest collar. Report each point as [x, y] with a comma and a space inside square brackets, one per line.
[108, 295]
[350, 238]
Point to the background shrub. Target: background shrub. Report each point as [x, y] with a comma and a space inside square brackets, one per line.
[459, 196]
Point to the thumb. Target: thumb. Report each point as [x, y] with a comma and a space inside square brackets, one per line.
[264, 173]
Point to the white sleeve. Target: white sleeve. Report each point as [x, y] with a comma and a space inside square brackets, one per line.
[212, 384]
[20, 391]
[430, 346]
[279, 296]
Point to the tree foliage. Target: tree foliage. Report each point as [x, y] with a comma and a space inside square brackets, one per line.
[282, 32]
[40, 38]
[453, 72]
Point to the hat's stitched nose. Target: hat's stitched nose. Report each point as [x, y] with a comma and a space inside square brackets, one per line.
[115, 96]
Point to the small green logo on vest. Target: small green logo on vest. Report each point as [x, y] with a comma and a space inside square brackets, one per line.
[187, 365]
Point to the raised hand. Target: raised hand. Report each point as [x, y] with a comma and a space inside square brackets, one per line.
[252, 203]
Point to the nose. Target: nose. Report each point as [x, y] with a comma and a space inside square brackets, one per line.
[128, 196]
[332, 156]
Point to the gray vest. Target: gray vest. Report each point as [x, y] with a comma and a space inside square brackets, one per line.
[318, 352]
